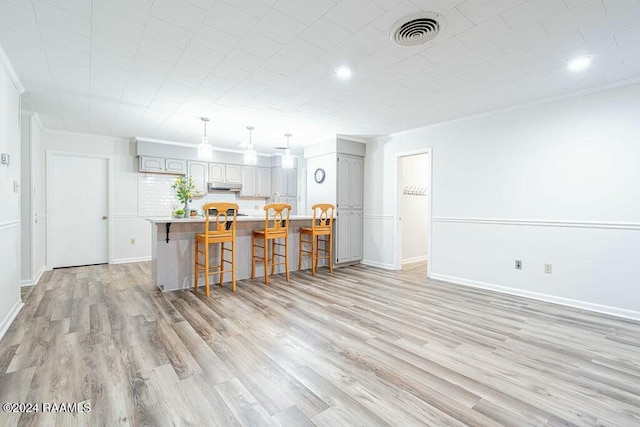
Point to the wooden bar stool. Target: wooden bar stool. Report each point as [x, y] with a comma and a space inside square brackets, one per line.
[219, 227]
[321, 225]
[276, 226]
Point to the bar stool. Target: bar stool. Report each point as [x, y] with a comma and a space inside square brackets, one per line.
[219, 229]
[276, 226]
[321, 225]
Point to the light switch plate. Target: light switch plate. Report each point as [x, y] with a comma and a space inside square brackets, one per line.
[5, 158]
[16, 186]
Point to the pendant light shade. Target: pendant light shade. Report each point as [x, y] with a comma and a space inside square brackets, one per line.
[250, 155]
[205, 150]
[287, 158]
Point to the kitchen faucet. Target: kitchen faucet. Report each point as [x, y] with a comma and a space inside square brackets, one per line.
[273, 198]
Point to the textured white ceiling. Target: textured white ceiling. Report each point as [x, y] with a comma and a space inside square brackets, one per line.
[152, 68]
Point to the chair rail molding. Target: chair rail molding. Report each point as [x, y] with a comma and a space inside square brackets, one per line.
[9, 224]
[541, 223]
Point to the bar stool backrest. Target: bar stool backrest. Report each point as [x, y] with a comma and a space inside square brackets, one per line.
[220, 218]
[323, 214]
[276, 219]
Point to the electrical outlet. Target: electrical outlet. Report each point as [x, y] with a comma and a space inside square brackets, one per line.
[548, 268]
[256, 207]
[518, 264]
[133, 241]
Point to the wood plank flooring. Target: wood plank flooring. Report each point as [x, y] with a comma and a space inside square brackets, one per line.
[360, 347]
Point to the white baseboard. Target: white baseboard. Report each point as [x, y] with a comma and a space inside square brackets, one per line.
[128, 260]
[584, 305]
[377, 264]
[34, 281]
[39, 275]
[6, 322]
[414, 259]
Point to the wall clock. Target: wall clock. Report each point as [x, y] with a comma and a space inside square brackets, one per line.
[319, 175]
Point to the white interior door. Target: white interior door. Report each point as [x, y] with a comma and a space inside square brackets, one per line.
[78, 207]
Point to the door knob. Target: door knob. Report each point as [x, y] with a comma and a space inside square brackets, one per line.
[104, 217]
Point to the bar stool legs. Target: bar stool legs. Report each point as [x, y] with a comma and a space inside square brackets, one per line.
[269, 260]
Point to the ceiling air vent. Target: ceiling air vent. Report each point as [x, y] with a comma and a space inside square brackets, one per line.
[416, 29]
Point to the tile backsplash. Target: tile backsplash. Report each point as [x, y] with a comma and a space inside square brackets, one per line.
[157, 198]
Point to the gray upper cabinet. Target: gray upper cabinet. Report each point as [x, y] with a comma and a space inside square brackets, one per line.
[350, 181]
[284, 182]
[162, 165]
[198, 171]
[263, 182]
[249, 181]
[232, 174]
[256, 181]
[216, 172]
[220, 172]
[176, 166]
[151, 164]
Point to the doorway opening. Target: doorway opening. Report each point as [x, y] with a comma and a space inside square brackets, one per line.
[413, 248]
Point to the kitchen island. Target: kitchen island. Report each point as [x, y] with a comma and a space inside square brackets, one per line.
[173, 245]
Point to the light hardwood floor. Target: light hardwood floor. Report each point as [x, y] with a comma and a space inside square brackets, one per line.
[360, 347]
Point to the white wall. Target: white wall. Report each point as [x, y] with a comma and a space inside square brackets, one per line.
[414, 176]
[125, 223]
[9, 199]
[550, 183]
[325, 192]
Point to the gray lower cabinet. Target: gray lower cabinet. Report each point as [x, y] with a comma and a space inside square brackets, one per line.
[348, 241]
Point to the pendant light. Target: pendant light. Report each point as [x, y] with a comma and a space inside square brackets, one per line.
[250, 155]
[287, 158]
[204, 148]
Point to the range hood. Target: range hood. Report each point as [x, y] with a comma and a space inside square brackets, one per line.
[224, 186]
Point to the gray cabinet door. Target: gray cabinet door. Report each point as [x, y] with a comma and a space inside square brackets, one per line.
[355, 236]
[356, 187]
[292, 182]
[176, 166]
[198, 171]
[344, 169]
[232, 174]
[342, 237]
[264, 182]
[151, 164]
[216, 172]
[249, 180]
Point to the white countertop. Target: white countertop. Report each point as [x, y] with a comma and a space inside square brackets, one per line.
[164, 220]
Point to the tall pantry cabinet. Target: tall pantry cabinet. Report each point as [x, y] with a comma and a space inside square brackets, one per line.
[348, 247]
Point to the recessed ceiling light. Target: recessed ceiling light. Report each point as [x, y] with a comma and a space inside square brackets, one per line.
[344, 72]
[579, 63]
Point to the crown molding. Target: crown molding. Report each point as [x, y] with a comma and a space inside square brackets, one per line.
[13, 75]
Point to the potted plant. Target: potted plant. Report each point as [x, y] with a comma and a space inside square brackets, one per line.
[184, 190]
[179, 213]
